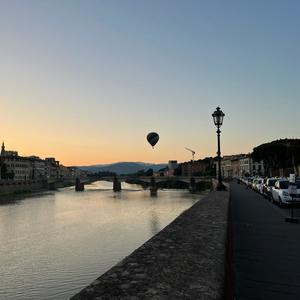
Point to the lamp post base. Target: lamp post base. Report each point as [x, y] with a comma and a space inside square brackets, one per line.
[221, 187]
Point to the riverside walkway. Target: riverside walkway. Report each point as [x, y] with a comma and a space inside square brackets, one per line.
[186, 260]
[266, 249]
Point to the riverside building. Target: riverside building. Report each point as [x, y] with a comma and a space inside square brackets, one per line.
[249, 167]
[14, 166]
[19, 168]
[52, 168]
[38, 168]
[196, 168]
[172, 166]
[239, 165]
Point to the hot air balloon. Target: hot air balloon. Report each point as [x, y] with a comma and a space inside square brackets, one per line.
[152, 138]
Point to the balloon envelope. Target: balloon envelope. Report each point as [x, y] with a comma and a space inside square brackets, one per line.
[152, 138]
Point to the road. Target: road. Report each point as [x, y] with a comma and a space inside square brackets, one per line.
[266, 249]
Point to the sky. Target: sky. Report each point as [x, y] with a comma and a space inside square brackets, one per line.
[86, 81]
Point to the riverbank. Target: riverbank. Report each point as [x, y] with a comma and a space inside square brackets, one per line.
[31, 186]
[22, 187]
[186, 260]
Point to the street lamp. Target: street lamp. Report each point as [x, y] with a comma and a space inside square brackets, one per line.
[218, 116]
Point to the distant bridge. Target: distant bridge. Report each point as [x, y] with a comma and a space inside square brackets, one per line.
[148, 179]
[54, 183]
[61, 180]
[153, 181]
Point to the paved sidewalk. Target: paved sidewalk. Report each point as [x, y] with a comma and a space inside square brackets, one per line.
[266, 248]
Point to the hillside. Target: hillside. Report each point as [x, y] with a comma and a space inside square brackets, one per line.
[123, 167]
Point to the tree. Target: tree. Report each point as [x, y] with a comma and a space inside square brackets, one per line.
[149, 172]
[4, 172]
[279, 154]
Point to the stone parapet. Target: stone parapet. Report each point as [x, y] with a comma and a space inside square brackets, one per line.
[186, 260]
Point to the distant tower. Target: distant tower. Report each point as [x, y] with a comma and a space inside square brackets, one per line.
[2, 149]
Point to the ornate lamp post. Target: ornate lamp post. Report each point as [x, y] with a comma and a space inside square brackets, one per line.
[218, 116]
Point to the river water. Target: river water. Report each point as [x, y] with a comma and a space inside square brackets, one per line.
[53, 244]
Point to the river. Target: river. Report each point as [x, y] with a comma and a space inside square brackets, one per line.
[53, 244]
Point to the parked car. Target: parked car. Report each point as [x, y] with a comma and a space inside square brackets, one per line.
[249, 181]
[258, 185]
[280, 192]
[254, 183]
[244, 180]
[268, 187]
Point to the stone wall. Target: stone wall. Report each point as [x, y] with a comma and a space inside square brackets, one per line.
[16, 187]
[19, 187]
[186, 260]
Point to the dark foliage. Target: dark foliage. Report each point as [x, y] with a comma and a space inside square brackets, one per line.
[140, 173]
[4, 172]
[283, 153]
[101, 174]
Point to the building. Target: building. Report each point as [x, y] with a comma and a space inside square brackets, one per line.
[226, 166]
[75, 172]
[7, 152]
[52, 168]
[249, 167]
[38, 168]
[64, 172]
[18, 168]
[172, 166]
[239, 165]
[13, 166]
[199, 167]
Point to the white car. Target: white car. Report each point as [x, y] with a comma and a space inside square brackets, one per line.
[249, 181]
[268, 187]
[280, 192]
[257, 184]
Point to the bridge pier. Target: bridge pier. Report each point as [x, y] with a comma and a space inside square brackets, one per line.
[117, 185]
[79, 186]
[153, 187]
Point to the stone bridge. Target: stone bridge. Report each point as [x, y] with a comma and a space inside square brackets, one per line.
[153, 181]
[59, 180]
[54, 183]
[148, 179]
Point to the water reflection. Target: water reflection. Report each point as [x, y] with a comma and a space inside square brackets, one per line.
[154, 223]
[16, 198]
[53, 244]
[118, 195]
